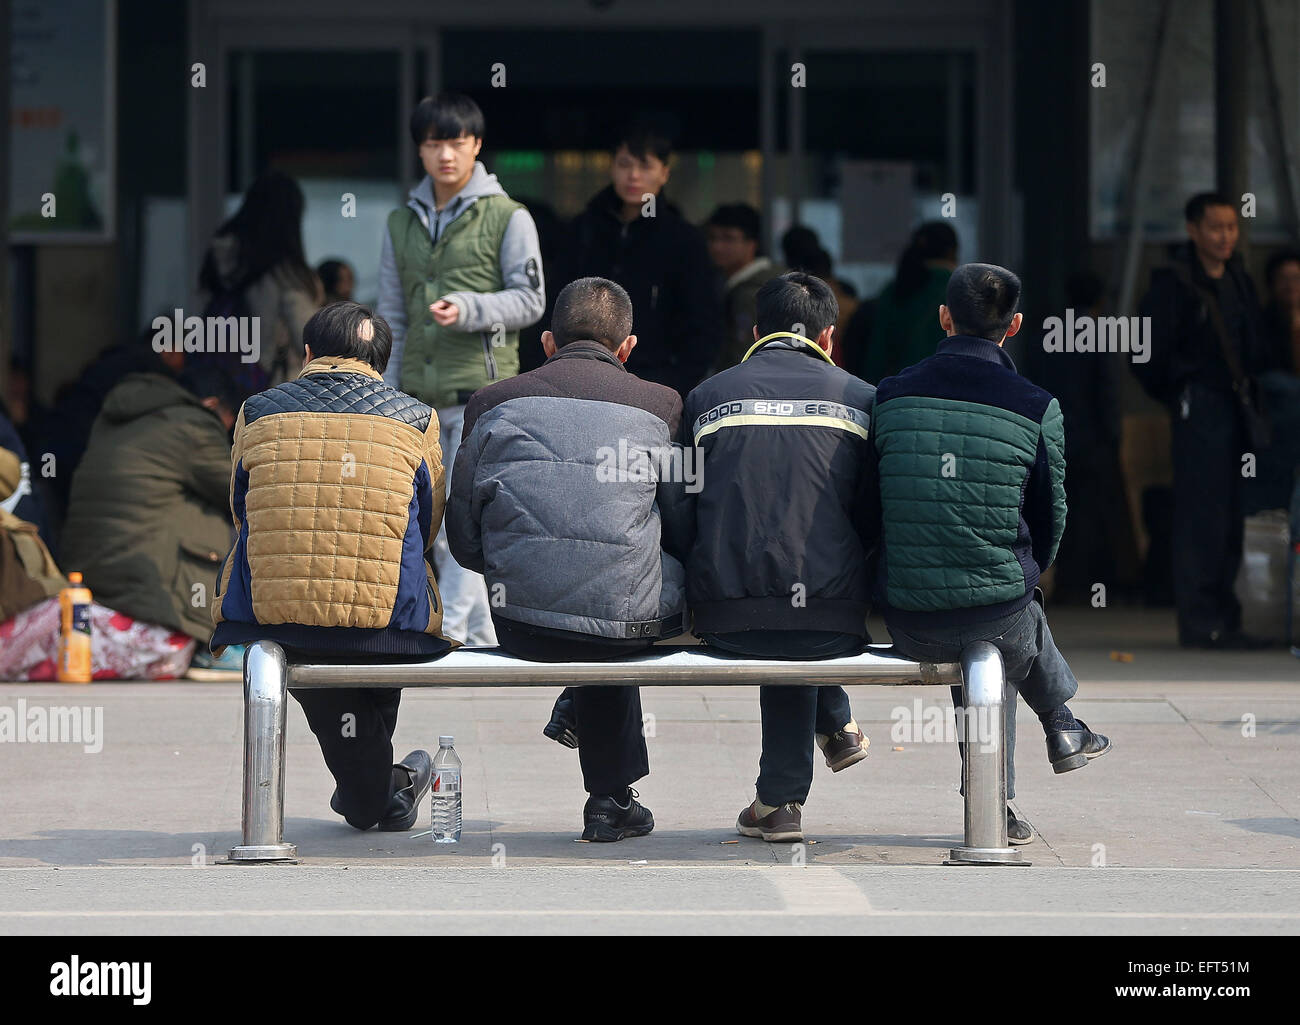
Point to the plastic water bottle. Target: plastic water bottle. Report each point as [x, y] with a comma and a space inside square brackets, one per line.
[446, 793]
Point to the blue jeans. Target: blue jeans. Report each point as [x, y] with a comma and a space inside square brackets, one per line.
[1034, 666]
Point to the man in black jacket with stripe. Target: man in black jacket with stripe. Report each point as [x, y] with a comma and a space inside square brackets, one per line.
[775, 542]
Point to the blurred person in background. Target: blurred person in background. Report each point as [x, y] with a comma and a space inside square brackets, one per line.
[552, 235]
[804, 251]
[338, 280]
[60, 433]
[149, 522]
[21, 498]
[1205, 350]
[898, 328]
[1281, 321]
[255, 268]
[630, 233]
[1275, 477]
[1087, 386]
[460, 275]
[734, 234]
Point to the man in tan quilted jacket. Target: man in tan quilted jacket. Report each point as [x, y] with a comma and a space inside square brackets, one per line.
[337, 495]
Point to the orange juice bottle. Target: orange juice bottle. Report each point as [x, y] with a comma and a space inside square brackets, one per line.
[74, 632]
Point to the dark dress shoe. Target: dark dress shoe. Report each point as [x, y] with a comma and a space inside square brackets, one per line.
[563, 727]
[404, 805]
[1072, 749]
[1018, 830]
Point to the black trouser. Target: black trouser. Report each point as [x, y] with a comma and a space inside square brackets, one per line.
[1208, 515]
[791, 715]
[355, 730]
[611, 741]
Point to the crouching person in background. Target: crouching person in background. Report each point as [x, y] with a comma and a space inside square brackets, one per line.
[337, 494]
[147, 522]
[567, 538]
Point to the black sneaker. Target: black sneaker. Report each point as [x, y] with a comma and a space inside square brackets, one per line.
[563, 727]
[1018, 830]
[606, 820]
[1074, 748]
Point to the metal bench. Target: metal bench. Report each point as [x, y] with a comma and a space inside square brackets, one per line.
[268, 676]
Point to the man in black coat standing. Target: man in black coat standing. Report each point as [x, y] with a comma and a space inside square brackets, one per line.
[1205, 349]
[631, 234]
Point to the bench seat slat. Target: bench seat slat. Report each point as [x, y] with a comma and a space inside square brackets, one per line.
[662, 667]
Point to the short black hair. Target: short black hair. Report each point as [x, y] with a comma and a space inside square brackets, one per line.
[800, 246]
[644, 138]
[594, 310]
[982, 299]
[337, 330]
[737, 215]
[1199, 203]
[1276, 261]
[793, 299]
[329, 271]
[208, 380]
[446, 116]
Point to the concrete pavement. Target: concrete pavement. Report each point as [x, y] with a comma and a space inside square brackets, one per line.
[1191, 825]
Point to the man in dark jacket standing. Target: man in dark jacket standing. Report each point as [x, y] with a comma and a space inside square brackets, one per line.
[631, 234]
[554, 500]
[337, 494]
[777, 542]
[969, 464]
[1205, 347]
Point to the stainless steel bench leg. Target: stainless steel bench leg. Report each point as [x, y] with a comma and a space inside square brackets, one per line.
[266, 693]
[984, 773]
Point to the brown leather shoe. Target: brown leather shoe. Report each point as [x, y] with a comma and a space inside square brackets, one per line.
[844, 747]
[783, 825]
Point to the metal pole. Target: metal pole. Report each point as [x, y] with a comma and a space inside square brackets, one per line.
[1284, 166]
[795, 130]
[767, 134]
[984, 771]
[1231, 96]
[266, 692]
[1142, 158]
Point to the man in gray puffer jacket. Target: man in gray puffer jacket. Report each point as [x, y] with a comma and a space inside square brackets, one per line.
[554, 500]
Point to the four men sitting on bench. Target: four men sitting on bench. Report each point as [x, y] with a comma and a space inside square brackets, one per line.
[571, 499]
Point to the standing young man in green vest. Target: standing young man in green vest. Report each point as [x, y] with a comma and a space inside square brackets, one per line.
[460, 274]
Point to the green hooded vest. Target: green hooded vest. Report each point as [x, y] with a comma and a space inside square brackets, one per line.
[442, 365]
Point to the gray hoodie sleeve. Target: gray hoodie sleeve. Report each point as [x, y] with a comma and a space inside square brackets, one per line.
[522, 300]
[392, 308]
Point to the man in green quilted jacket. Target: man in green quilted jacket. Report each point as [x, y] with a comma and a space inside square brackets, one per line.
[971, 470]
[459, 275]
